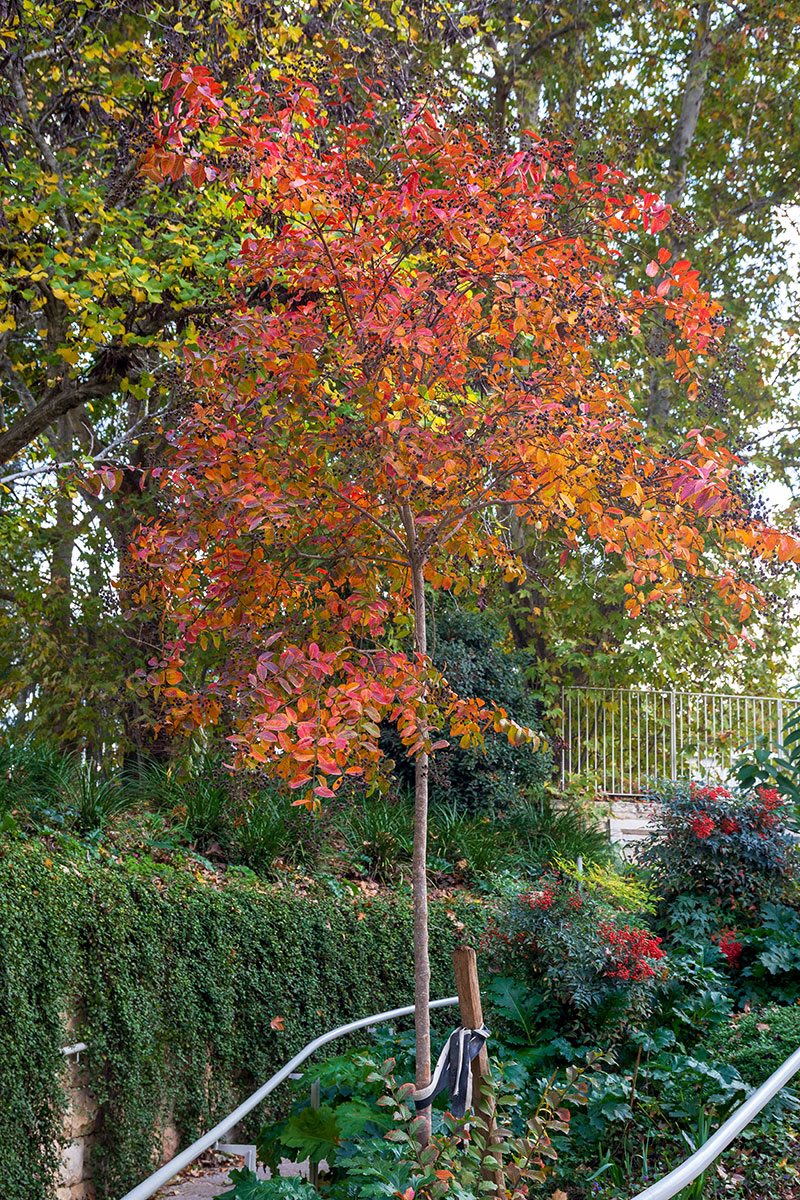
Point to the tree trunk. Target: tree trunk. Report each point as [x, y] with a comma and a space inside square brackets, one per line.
[574, 68]
[659, 397]
[422, 966]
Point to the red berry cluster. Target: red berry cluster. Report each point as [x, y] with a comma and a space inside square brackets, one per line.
[729, 947]
[630, 952]
[542, 899]
[702, 825]
[699, 791]
[764, 811]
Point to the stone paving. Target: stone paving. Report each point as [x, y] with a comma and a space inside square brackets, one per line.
[198, 1184]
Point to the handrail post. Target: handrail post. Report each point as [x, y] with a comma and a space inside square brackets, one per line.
[313, 1168]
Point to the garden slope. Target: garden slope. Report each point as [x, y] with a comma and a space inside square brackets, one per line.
[168, 974]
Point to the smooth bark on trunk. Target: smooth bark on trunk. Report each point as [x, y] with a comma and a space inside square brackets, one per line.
[659, 397]
[422, 966]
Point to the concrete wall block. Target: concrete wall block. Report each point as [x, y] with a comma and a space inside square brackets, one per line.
[82, 1112]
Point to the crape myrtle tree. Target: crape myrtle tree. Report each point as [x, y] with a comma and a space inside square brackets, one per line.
[419, 357]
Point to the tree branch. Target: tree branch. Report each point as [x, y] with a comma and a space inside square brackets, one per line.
[44, 148]
[58, 401]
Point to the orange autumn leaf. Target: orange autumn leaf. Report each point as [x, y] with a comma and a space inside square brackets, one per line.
[415, 349]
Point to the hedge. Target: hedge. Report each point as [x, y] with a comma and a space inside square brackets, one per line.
[167, 974]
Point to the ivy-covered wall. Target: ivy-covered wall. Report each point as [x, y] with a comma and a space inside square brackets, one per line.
[169, 974]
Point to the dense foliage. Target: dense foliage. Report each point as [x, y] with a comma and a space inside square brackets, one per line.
[758, 1042]
[167, 974]
[198, 806]
[710, 841]
[593, 967]
[698, 103]
[468, 647]
[368, 1137]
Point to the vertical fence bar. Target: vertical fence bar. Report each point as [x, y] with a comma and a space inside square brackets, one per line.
[579, 709]
[564, 737]
[780, 723]
[664, 736]
[638, 741]
[673, 739]
[647, 735]
[630, 742]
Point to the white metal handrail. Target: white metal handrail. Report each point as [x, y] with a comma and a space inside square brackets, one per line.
[663, 1189]
[689, 1170]
[150, 1186]
[77, 1049]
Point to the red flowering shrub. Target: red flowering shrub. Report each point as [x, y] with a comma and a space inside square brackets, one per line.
[729, 947]
[570, 945]
[714, 842]
[702, 826]
[631, 952]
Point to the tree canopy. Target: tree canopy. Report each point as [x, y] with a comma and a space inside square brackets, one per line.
[109, 276]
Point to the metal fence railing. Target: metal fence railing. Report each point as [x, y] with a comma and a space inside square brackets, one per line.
[626, 737]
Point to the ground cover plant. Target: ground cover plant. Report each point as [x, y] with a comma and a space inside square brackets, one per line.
[197, 808]
[592, 968]
[170, 968]
[577, 963]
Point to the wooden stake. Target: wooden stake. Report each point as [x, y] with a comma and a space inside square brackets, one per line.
[465, 965]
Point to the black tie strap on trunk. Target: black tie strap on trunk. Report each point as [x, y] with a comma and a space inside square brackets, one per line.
[453, 1070]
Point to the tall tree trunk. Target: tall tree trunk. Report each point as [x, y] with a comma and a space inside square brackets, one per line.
[419, 872]
[59, 604]
[660, 381]
[143, 741]
[574, 67]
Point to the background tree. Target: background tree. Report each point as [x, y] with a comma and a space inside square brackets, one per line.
[420, 354]
[701, 102]
[470, 647]
[107, 277]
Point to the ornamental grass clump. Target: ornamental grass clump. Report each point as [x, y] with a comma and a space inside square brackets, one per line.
[731, 847]
[575, 949]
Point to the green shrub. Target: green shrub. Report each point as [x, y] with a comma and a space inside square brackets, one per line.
[379, 835]
[31, 777]
[540, 831]
[468, 648]
[757, 1043]
[577, 952]
[710, 842]
[169, 974]
[260, 833]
